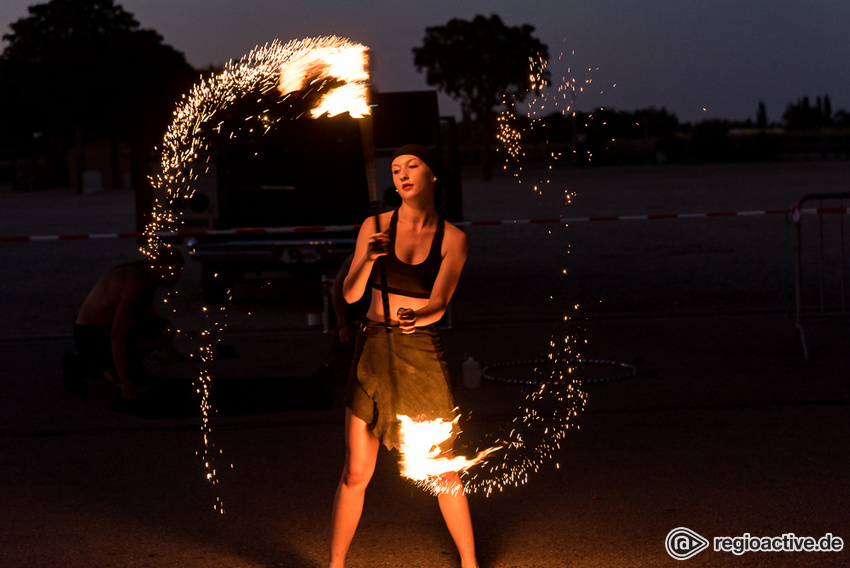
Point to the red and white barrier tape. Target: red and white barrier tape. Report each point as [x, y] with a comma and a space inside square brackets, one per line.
[795, 214]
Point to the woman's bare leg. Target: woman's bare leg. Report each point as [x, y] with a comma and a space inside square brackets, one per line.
[361, 453]
[455, 509]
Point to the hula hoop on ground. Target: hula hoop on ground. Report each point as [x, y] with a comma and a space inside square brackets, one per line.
[630, 371]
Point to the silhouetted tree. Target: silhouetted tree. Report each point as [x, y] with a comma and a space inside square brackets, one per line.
[82, 68]
[478, 62]
[761, 116]
[803, 116]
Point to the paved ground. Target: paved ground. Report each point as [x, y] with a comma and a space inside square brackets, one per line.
[725, 429]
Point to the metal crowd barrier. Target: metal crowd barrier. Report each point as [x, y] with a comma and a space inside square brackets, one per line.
[830, 263]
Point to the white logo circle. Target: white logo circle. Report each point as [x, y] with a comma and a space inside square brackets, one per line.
[683, 543]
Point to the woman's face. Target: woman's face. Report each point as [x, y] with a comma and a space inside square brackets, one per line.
[412, 176]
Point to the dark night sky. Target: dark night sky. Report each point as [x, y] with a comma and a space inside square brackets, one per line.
[698, 58]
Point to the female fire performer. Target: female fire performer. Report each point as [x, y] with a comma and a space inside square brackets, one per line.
[403, 373]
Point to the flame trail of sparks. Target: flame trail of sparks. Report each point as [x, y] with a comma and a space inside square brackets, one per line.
[317, 64]
[548, 412]
[297, 65]
[334, 66]
[534, 439]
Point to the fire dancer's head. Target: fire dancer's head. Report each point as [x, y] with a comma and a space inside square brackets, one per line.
[414, 169]
[421, 152]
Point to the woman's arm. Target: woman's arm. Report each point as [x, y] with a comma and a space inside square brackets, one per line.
[456, 250]
[370, 246]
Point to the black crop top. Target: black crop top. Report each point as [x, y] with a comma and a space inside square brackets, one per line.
[413, 280]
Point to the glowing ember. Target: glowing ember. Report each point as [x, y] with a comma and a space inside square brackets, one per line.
[422, 459]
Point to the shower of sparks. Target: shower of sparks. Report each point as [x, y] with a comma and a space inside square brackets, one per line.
[422, 459]
[333, 68]
[555, 98]
[535, 434]
[509, 132]
[549, 411]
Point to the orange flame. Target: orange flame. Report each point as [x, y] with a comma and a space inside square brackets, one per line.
[422, 460]
[345, 62]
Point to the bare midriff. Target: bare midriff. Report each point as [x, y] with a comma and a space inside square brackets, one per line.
[376, 308]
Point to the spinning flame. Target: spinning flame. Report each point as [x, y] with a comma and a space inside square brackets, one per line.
[422, 460]
[346, 63]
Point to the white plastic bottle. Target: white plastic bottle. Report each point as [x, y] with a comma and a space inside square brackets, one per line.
[471, 373]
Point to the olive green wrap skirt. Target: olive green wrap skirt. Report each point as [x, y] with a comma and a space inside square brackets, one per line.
[400, 374]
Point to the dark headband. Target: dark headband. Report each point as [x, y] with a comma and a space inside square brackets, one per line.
[420, 152]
